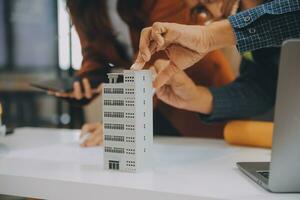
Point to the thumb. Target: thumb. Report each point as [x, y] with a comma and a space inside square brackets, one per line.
[88, 128]
[165, 75]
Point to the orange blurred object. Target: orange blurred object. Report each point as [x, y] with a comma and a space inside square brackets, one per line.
[249, 133]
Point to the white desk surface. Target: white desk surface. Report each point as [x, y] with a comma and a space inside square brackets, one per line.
[49, 164]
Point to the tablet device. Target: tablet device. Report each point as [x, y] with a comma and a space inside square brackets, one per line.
[65, 84]
[55, 85]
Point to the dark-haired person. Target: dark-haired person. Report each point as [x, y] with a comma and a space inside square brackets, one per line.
[102, 42]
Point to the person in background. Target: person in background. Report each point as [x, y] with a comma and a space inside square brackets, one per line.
[101, 43]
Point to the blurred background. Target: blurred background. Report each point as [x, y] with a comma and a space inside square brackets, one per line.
[37, 42]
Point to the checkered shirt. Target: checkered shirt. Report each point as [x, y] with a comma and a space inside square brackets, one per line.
[267, 25]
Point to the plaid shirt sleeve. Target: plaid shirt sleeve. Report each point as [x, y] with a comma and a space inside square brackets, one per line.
[267, 25]
[252, 93]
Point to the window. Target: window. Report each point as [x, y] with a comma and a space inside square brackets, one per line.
[114, 138]
[130, 163]
[129, 91]
[114, 114]
[113, 90]
[113, 150]
[130, 139]
[113, 164]
[130, 151]
[130, 115]
[2, 36]
[129, 127]
[129, 79]
[114, 126]
[113, 102]
[34, 34]
[129, 103]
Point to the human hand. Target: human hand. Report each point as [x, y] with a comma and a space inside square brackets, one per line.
[95, 137]
[181, 92]
[184, 45]
[78, 92]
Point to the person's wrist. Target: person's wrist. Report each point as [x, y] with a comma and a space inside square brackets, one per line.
[221, 34]
[203, 100]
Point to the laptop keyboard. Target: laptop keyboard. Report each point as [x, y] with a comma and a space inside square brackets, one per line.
[264, 174]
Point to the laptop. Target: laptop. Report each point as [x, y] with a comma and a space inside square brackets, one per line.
[282, 174]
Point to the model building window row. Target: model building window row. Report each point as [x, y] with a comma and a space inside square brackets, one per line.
[114, 150]
[129, 91]
[129, 79]
[113, 91]
[114, 138]
[130, 165]
[129, 127]
[129, 102]
[114, 126]
[114, 102]
[114, 114]
[129, 115]
[130, 139]
[130, 151]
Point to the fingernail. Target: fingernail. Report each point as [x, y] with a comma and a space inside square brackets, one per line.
[136, 66]
[133, 66]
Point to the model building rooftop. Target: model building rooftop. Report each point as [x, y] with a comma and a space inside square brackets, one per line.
[119, 76]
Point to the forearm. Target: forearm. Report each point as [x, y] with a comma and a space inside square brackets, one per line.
[267, 25]
[251, 94]
[221, 34]
[237, 101]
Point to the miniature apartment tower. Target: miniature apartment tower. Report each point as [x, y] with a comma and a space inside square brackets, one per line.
[128, 121]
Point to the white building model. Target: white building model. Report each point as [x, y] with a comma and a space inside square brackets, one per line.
[128, 121]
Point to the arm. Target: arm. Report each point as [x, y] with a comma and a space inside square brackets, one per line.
[252, 93]
[88, 78]
[266, 25]
[97, 53]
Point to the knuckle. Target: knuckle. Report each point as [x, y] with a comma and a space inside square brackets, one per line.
[172, 69]
[156, 25]
[145, 30]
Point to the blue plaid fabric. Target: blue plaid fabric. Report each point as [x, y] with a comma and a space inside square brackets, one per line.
[253, 93]
[267, 25]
